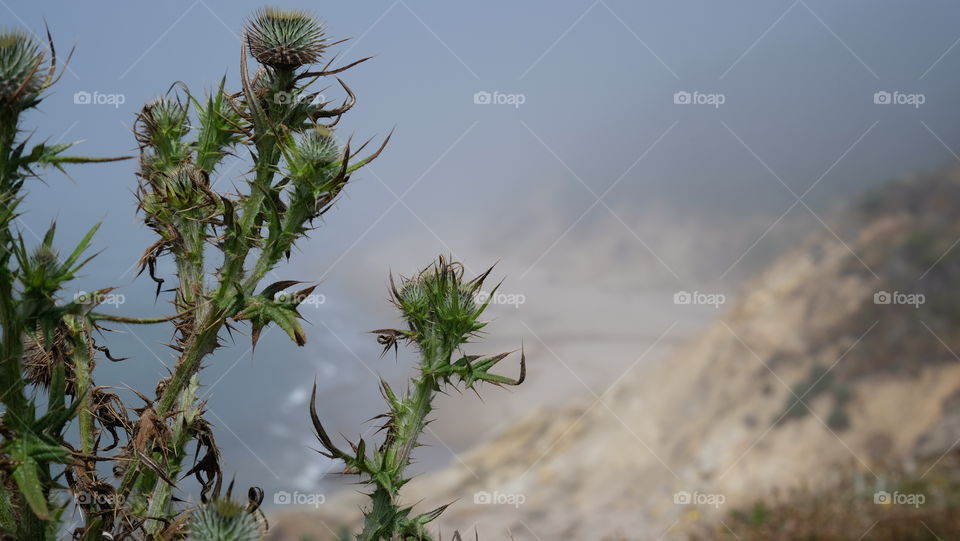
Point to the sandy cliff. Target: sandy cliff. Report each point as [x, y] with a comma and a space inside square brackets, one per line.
[719, 420]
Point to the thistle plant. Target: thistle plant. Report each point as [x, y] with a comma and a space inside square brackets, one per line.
[298, 167]
[441, 312]
[67, 443]
[46, 346]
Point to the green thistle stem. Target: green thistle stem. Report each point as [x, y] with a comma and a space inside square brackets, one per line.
[411, 422]
[80, 355]
[162, 491]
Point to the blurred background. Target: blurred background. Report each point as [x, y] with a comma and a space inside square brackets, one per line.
[630, 167]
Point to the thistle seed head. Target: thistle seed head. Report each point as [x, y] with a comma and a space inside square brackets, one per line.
[285, 39]
[22, 73]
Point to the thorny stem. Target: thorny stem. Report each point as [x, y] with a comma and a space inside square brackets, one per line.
[408, 423]
[413, 420]
[82, 383]
[201, 344]
[11, 384]
[162, 491]
[97, 316]
[441, 314]
[10, 350]
[210, 317]
[11, 343]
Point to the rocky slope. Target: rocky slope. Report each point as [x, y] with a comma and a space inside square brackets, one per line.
[811, 370]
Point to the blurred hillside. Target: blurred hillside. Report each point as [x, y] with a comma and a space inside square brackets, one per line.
[838, 357]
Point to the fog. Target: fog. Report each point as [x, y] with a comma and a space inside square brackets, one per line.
[588, 178]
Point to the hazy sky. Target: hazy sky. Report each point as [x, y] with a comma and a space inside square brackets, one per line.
[599, 171]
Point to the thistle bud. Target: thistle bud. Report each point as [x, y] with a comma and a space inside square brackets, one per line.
[22, 74]
[440, 299]
[310, 157]
[319, 148]
[45, 257]
[222, 519]
[163, 119]
[285, 39]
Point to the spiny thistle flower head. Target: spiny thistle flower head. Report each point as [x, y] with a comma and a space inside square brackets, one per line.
[179, 190]
[285, 39]
[45, 256]
[319, 147]
[224, 520]
[161, 120]
[22, 73]
[312, 154]
[440, 299]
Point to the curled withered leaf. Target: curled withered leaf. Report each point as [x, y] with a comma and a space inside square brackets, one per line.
[206, 469]
[254, 499]
[150, 432]
[110, 412]
[108, 355]
[389, 338]
[347, 104]
[41, 355]
[148, 261]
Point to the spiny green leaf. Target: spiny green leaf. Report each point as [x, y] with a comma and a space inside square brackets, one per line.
[27, 476]
[80, 248]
